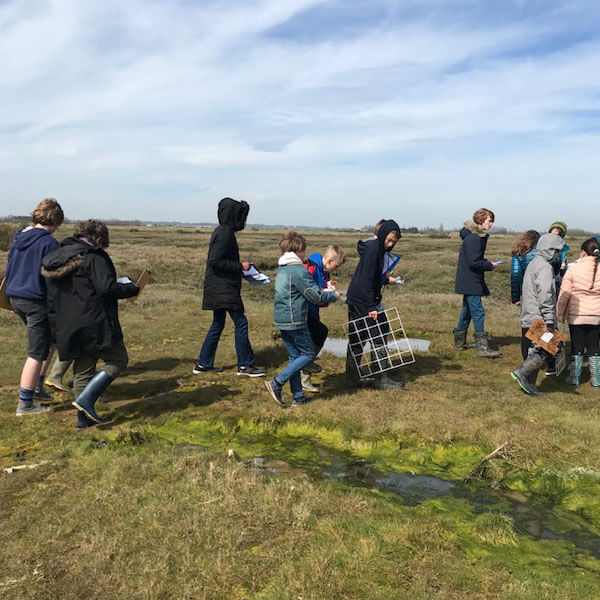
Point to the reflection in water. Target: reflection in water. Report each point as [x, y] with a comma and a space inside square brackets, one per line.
[529, 515]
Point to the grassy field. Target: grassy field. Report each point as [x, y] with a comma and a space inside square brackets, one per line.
[202, 487]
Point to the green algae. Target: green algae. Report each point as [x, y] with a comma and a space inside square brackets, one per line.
[307, 443]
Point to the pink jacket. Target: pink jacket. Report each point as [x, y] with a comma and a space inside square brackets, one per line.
[577, 303]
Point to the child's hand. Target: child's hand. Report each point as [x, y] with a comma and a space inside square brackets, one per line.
[373, 315]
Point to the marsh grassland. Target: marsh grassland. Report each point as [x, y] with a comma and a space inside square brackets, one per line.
[201, 487]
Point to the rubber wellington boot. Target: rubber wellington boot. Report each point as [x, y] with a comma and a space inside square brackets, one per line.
[482, 345]
[83, 421]
[57, 371]
[594, 370]
[87, 399]
[526, 374]
[307, 385]
[575, 369]
[460, 340]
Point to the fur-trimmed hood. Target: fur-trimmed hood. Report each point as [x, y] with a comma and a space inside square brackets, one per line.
[472, 227]
[65, 269]
[64, 260]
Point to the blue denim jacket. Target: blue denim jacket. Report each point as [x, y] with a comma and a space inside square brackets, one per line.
[294, 289]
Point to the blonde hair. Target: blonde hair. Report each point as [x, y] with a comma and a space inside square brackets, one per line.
[48, 212]
[292, 241]
[337, 253]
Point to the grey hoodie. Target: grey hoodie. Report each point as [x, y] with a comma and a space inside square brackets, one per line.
[538, 300]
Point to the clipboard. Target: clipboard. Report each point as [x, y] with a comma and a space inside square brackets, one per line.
[550, 342]
[4, 301]
[142, 281]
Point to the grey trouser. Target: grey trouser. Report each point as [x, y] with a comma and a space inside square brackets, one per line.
[84, 368]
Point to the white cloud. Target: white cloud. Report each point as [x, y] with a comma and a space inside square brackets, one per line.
[277, 100]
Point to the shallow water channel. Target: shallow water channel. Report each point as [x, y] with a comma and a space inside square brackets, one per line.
[531, 516]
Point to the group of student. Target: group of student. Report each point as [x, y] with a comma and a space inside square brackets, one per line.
[67, 295]
[303, 285]
[545, 287]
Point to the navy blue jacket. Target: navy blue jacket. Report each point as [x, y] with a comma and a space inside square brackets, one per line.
[471, 263]
[23, 277]
[364, 293]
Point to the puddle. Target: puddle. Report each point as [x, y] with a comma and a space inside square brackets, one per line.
[382, 465]
[337, 346]
[529, 515]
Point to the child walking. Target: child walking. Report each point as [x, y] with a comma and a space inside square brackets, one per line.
[538, 301]
[320, 267]
[222, 290]
[470, 282]
[27, 292]
[364, 302]
[294, 290]
[579, 305]
[84, 294]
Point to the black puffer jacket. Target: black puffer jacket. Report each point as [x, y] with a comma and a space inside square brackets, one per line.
[223, 277]
[364, 292]
[471, 263]
[82, 298]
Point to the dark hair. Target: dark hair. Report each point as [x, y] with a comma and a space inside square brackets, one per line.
[48, 212]
[479, 216]
[591, 248]
[525, 242]
[292, 242]
[95, 231]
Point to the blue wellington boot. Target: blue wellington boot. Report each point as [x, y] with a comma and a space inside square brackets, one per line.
[92, 391]
[83, 421]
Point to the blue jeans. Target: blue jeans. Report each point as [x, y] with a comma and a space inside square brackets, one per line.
[243, 349]
[472, 308]
[301, 351]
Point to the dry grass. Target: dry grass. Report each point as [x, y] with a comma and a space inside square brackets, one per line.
[142, 517]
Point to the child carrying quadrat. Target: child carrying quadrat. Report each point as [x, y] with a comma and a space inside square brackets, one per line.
[364, 303]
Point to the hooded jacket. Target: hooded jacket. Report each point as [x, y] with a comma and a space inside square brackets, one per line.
[82, 298]
[223, 276]
[538, 299]
[314, 265]
[579, 297]
[23, 277]
[471, 263]
[364, 293]
[294, 289]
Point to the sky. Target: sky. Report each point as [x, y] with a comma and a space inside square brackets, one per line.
[316, 112]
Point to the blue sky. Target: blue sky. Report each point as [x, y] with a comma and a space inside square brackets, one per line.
[316, 112]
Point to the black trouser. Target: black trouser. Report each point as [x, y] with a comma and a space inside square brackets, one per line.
[361, 332]
[526, 343]
[318, 331]
[585, 337]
